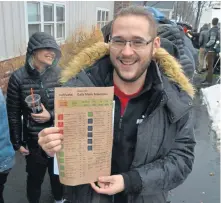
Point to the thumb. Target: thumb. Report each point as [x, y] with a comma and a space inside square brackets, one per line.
[109, 179]
[43, 107]
[26, 150]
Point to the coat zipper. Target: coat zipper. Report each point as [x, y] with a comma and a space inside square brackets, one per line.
[130, 197]
[46, 91]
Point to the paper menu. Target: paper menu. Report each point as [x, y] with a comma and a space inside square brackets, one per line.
[85, 116]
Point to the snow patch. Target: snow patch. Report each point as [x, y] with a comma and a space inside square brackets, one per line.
[212, 99]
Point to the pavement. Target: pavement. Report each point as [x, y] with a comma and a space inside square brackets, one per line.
[201, 186]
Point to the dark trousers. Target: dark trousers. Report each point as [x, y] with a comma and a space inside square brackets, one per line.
[3, 179]
[36, 169]
[210, 58]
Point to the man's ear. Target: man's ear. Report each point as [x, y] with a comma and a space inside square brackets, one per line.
[156, 44]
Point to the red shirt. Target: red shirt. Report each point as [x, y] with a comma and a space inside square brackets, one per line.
[124, 98]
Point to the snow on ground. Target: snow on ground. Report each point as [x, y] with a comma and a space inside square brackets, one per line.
[212, 99]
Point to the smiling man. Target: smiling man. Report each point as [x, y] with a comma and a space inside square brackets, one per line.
[153, 148]
[41, 74]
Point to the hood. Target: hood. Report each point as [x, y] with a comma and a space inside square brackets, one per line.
[167, 63]
[40, 40]
[205, 27]
[106, 30]
[169, 31]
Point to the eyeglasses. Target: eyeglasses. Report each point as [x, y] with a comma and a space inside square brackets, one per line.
[136, 44]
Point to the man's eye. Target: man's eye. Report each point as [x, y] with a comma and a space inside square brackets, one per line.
[118, 41]
[138, 43]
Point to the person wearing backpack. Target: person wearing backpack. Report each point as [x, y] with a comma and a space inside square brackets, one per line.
[211, 51]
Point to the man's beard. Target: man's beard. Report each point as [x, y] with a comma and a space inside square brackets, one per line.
[139, 74]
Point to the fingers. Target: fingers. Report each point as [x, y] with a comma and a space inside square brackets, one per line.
[106, 190]
[52, 144]
[39, 120]
[54, 150]
[23, 151]
[34, 116]
[50, 140]
[105, 179]
[48, 131]
[101, 185]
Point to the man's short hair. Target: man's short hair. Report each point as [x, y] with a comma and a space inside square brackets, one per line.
[215, 21]
[138, 11]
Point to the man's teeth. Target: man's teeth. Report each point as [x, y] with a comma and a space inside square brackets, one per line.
[128, 62]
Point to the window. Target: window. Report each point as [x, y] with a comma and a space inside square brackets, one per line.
[46, 17]
[102, 17]
[60, 19]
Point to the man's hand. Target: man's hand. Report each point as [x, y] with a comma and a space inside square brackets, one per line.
[50, 140]
[23, 151]
[109, 185]
[42, 117]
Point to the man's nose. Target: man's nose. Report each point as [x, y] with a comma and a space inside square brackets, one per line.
[127, 50]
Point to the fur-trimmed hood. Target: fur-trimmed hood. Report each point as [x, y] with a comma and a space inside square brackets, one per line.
[167, 63]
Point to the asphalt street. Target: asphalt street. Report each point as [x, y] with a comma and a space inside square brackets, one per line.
[201, 186]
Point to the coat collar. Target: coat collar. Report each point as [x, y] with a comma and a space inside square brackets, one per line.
[176, 86]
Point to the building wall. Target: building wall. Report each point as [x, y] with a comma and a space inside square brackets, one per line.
[84, 13]
[118, 5]
[208, 15]
[12, 29]
[13, 22]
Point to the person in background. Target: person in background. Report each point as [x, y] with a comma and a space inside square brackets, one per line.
[7, 153]
[41, 74]
[153, 146]
[211, 50]
[202, 43]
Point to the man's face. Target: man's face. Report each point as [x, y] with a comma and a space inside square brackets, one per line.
[129, 63]
[45, 56]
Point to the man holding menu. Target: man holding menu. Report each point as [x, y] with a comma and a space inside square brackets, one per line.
[153, 146]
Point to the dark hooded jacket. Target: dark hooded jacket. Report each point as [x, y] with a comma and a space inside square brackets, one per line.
[20, 83]
[173, 34]
[164, 147]
[204, 36]
[213, 37]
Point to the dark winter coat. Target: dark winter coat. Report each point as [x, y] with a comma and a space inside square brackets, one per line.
[20, 83]
[214, 36]
[204, 36]
[164, 151]
[172, 33]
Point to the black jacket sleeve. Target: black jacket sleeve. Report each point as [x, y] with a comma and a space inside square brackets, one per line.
[14, 111]
[52, 114]
[132, 182]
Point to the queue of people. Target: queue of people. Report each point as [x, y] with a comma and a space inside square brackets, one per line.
[143, 65]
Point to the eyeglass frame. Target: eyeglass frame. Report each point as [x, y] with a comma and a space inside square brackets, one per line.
[126, 41]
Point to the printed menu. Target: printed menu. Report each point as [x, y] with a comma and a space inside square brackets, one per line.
[85, 117]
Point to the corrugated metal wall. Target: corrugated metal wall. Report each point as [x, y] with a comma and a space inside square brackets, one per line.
[84, 13]
[12, 29]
